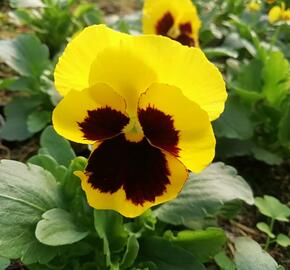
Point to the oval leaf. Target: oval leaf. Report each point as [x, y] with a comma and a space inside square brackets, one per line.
[58, 228]
[204, 195]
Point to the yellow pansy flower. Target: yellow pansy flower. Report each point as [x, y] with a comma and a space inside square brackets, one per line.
[177, 19]
[275, 14]
[279, 13]
[254, 6]
[145, 103]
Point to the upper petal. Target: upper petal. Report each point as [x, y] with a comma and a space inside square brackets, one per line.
[175, 124]
[130, 64]
[73, 68]
[91, 115]
[186, 68]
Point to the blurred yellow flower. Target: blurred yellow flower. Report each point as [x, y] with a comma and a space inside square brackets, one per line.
[270, 1]
[176, 19]
[279, 13]
[254, 6]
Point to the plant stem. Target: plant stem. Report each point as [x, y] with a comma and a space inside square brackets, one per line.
[268, 241]
[275, 37]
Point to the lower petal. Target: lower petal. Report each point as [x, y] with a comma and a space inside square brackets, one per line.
[131, 177]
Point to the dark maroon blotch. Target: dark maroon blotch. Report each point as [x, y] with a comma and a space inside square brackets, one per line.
[139, 168]
[185, 28]
[103, 123]
[159, 128]
[164, 24]
[185, 40]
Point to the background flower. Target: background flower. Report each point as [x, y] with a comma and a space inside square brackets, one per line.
[177, 19]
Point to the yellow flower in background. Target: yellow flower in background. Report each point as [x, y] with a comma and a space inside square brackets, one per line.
[275, 14]
[254, 6]
[285, 15]
[270, 1]
[279, 13]
[177, 19]
[145, 103]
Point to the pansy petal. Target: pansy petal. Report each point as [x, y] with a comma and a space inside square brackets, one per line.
[186, 68]
[87, 116]
[175, 124]
[131, 177]
[124, 70]
[73, 68]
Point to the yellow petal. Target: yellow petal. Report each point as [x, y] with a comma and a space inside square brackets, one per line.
[195, 142]
[73, 110]
[125, 71]
[73, 68]
[186, 68]
[118, 200]
[130, 64]
[274, 14]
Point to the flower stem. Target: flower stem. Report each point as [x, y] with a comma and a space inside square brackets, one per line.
[275, 37]
[268, 241]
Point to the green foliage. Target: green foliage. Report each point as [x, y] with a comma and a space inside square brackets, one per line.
[26, 192]
[276, 211]
[163, 255]
[204, 195]
[56, 146]
[25, 54]
[202, 244]
[250, 256]
[224, 262]
[273, 208]
[57, 227]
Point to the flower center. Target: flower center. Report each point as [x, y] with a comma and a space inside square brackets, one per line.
[133, 130]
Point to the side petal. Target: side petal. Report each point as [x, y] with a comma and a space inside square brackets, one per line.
[73, 68]
[91, 115]
[174, 123]
[117, 199]
[186, 68]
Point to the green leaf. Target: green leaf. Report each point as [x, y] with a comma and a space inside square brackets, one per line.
[71, 183]
[202, 244]
[26, 192]
[235, 122]
[263, 227]
[4, 263]
[250, 256]
[166, 255]
[276, 78]
[283, 240]
[36, 121]
[266, 156]
[204, 195]
[25, 54]
[131, 252]
[49, 163]
[109, 226]
[220, 52]
[26, 3]
[224, 262]
[56, 146]
[273, 208]
[57, 228]
[249, 78]
[16, 112]
[284, 130]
